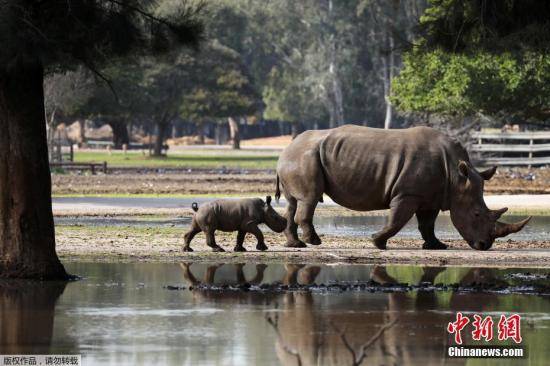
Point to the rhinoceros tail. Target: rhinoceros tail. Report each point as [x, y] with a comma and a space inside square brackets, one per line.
[277, 190]
[195, 206]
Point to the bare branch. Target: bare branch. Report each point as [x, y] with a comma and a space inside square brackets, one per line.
[274, 322]
[359, 357]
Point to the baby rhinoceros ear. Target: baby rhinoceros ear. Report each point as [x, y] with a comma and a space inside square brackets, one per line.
[268, 200]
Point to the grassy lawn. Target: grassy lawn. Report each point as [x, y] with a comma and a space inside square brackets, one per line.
[187, 159]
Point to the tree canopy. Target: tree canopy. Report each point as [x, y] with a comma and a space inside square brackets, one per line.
[487, 57]
[61, 34]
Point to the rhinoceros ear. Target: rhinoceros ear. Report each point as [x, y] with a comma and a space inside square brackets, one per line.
[488, 174]
[463, 168]
[268, 200]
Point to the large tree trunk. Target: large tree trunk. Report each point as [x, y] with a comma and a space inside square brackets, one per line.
[389, 65]
[82, 123]
[234, 133]
[27, 238]
[159, 142]
[200, 132]
[120, 132]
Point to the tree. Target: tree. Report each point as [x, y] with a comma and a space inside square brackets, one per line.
[475, 57]
[462, 85]
[118, 102]
[287, 98]
[48, 35]
[163, 85]
[64, 93]
[334, 57]
[222, 89]
[389, 27]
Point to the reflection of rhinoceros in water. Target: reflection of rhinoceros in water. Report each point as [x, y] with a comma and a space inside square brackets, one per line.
[418, 334]
[417, 171]
[292, 275]
[309, 333]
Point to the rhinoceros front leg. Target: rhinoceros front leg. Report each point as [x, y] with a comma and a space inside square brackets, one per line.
[401, 211]
[426, 225]
[304, 218]
[291, 231]
[240, 240]
[254, 230]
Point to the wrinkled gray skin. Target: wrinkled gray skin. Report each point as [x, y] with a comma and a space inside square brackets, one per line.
[243, 216]
[411, 171]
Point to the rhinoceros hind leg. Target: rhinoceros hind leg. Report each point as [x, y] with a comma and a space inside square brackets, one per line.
[291, 231]
[304, 218]
[240, 240]
[426, 226]
[211, 241]
[401, 211]
[189, 236]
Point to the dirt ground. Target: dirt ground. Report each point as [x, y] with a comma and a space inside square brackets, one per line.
[106, 242]
[173, 183]
[275, 141]
[507, 180]
[111, 243]
[164, 244]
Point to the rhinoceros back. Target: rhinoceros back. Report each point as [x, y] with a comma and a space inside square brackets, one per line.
[365, 168]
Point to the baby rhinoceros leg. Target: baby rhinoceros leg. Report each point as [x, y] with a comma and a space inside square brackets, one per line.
[240, 240]
[211, 240]
[194, 230]
[254, 230]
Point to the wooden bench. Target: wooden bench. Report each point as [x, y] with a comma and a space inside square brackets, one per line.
[72, 165]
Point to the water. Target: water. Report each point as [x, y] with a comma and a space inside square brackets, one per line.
[123, 314]
[359, 226]
[537, 229]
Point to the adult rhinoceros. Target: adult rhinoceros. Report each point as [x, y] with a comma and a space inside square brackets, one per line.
[411, 171]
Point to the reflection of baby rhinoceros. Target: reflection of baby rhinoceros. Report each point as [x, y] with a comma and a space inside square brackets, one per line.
[242, 215]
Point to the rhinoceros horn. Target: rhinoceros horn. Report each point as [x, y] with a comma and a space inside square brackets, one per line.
[502, 229]
[498, 213]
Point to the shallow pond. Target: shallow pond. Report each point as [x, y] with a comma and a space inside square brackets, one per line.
[255, 314]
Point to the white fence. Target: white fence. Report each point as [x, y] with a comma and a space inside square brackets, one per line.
[511, 148]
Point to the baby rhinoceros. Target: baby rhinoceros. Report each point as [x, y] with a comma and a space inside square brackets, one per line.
[242, 215]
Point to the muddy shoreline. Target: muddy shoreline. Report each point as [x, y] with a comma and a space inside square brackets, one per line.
[371, 286]
[110, 244]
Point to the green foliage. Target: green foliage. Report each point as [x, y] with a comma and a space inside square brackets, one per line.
[128, 101]
[221, 86]
[489, 57]
[313, 60]
[461, 84]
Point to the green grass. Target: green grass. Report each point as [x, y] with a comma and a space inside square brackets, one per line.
[187, 159]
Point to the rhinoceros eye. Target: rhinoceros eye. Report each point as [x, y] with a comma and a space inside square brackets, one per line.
[476, 213]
